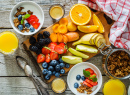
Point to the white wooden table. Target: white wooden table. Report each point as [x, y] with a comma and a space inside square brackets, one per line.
[13, 81]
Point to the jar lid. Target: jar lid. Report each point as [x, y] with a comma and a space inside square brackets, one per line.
[58, 85]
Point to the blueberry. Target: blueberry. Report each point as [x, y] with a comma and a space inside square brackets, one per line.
[67, 65]
[50, 68]
[78, 77]
[19, 17]
[47, 77]
[33, 48]
[60, 60]
[49, 73]
[27, 25]
[57, 74]
[53, 62]
[76, 85]
[57, 68]
[20, 27]
[54, 72]
[45, 65]
[83, 78]
[62, 65]
[62, 71]
[32, 29]
[32, 40]
[44, 71]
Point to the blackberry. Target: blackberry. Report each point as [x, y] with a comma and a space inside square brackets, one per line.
[39, 36]
[33, 48]
[38, 45]
[46, 34]
[32, 40]
[42, 41]
[39, 51]
[47, 40]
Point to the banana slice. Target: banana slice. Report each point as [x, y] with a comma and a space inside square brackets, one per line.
[97, 38]
[100, 42]
[93, 37]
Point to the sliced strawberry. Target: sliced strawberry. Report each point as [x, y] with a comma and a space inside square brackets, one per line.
[47, 58]
[36, 25]
[62, 44]
[31, 21]
[52, 46]
[87, 84]
[91, 82]
[65, 51]
[33, 16]
[40, 58]
[90, 70]
[59, 49]
[93, 75]
[54, 56]
[46, 50]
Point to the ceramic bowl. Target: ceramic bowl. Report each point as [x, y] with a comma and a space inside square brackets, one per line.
[28, 5]
[78, 69]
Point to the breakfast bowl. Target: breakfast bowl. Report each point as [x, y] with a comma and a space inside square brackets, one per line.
[34, 10]
[78, 70]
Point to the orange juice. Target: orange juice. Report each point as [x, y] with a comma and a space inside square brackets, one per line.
[56, 12]
[114, 87]
[8, 42]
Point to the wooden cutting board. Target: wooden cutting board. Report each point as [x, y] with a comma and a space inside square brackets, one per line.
[106, 33]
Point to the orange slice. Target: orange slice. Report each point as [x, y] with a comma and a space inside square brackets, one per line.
[80, 14]
[96, 21]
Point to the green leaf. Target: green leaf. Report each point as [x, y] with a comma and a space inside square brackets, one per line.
[27, 16]
[86, 73]
[94, 79]
[22, 21]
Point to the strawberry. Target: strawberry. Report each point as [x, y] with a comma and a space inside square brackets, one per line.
[59, 49]
[46, 50]
[65, 50]
[90, 70]
[47, 58]
[62, 44]
[93, 75]
[40, 58]
[91, 82]
[52, 46]
[36, 25]
[54, 56]
[87, 84]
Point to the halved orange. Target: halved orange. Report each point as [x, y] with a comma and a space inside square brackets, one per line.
[96, 21]
[80, 14]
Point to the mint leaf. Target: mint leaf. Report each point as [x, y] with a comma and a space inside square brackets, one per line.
[27, 16]
[86, 73]
[22, 21]
[94, 79]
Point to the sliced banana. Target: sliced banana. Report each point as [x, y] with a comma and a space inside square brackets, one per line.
[100, 42]
[97, 38]
[93, 37]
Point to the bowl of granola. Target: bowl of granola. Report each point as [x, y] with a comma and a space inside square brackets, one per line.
[26, 18]
[84, 79]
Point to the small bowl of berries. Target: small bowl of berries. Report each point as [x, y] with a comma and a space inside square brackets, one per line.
[84, 79]
[26, 18]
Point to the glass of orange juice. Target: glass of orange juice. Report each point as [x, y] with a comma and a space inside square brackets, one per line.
[114, 87]
[8, 42]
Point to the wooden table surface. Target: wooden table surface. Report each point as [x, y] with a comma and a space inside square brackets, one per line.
[13, 80]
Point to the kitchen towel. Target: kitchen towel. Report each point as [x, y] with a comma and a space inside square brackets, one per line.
[119, 11]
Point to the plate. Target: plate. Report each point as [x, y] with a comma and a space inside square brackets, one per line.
[78, 69]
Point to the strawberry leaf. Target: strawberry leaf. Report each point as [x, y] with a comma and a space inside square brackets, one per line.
[86, 73]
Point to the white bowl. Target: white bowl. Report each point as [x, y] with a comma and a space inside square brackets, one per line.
[28, 5]
[78, 69]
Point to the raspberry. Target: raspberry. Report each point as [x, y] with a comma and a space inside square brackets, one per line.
[46, 34]
[32, 40]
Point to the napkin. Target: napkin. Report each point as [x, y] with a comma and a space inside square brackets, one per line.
[119, 11]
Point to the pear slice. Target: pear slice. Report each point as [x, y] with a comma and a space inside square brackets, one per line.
[72, 59]
[100, 42]
[86, 48]
[77, 53]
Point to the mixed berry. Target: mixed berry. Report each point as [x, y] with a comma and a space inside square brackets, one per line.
[26, 21]
[89, 80]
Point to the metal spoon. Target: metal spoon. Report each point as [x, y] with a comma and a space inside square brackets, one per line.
[22, 63]
[40, 89]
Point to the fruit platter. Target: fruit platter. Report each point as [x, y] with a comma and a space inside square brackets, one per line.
[69, 41]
